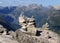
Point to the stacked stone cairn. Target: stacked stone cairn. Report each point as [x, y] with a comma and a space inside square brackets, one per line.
[27, 24]
[42, 35]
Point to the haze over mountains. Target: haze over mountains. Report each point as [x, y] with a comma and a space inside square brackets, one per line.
[50, 14]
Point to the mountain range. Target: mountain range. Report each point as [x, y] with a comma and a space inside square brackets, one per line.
[42, 14]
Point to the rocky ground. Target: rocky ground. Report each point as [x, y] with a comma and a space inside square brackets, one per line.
[6, 38]
[46, 36]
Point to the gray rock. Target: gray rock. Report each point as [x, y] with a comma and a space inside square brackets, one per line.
[7, 39]
[46, 36]
[2, 29]
[35, 35]
[4, 38]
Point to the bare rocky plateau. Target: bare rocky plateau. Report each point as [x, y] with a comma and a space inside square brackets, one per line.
[46, 36]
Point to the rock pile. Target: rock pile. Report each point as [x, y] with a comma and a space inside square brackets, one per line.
[28, 24]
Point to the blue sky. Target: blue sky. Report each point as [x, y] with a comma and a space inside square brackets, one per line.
[26, 2]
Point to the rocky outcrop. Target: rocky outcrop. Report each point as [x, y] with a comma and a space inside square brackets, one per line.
[28, 33]
[35, 35]
[6, 37]
[46, 36]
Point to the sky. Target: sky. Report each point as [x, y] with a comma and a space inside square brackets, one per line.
[27, 2]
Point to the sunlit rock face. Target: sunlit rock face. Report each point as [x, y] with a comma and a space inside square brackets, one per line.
[7, 40]
[7, 36]
[35, 35]
[45, 37]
